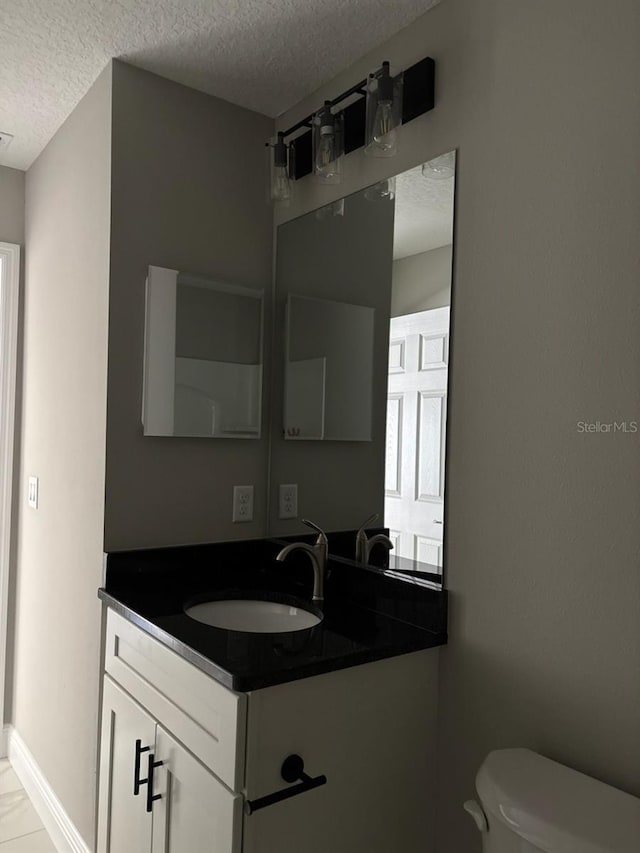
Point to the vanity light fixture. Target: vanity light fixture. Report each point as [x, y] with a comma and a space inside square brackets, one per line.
[327, 144]
[369, 115]
[384, 112]
[279, 184]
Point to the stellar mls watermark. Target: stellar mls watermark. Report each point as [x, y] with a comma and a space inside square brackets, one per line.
[607, 427]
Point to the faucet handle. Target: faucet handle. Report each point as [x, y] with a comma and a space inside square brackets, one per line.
[322, 536]
[371, 519]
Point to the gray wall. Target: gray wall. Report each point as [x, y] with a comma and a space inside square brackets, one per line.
[189, 194]
[347, 259]
[422, 282]
[542, 539]
[59, 547]
[11, 205]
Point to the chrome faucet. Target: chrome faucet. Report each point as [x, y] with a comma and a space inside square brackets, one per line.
[318, 554]
[364, 545]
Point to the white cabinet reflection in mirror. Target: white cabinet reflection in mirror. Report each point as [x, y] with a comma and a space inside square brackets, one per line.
[329, 370]
[203, 357]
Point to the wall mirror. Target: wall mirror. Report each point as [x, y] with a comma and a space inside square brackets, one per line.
[362, 296]
[203, 357]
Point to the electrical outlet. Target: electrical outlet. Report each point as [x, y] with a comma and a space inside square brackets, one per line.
[32, 493]
[288, 504]
[242, 503]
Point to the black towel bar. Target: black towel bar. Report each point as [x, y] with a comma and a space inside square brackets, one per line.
[292, 770]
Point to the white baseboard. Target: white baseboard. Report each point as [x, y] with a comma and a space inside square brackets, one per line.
[57, 822]
[4, 741]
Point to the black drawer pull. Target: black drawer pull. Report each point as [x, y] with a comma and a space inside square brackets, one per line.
[137, 781]
[151, 797]
[292, 770]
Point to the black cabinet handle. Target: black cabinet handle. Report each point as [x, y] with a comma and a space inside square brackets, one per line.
[292, 770]
[151, 797]
[137, 781]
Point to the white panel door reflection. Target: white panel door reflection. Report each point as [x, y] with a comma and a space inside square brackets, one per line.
[416, 433]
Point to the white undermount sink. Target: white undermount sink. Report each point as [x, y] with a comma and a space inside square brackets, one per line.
[260, 617]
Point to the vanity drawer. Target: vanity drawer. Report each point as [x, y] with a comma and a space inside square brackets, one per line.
[209, 719]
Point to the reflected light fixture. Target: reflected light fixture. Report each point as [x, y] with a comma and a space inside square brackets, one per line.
[327, 144]
[382, 191]
[279, 185]
[336, 208]
[440, 168]
[384, 112]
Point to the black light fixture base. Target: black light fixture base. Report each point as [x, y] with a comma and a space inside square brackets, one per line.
[419, 91]
[418, 97]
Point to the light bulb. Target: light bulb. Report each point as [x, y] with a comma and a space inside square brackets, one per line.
[326, 154]
[280, 189]
[384, 136]
[280, 186]
[384, 94]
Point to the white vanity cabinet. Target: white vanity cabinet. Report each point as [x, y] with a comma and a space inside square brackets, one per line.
[183, 807]
[171, 751]
[124, 822]
[369, 729]
[194, 811]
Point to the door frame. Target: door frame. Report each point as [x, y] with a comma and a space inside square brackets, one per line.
[9, 301]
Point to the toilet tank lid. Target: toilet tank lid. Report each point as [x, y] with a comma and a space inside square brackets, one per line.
[556, 808]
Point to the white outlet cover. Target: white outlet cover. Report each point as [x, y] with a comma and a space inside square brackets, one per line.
[288, 501]
[32, 493]
[242, 504]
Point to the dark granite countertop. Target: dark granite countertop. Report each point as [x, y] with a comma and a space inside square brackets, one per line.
[368, 614]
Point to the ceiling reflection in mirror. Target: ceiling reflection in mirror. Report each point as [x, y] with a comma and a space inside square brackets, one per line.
[361, 340]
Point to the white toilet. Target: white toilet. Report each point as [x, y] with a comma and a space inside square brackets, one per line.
[531, 804]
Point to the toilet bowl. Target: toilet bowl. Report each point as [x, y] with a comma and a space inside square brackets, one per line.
[530, 803]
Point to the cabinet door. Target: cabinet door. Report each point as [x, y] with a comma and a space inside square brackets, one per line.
[195, 811]
[124, 825]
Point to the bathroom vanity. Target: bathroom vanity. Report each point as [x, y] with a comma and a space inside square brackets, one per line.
[314, 740]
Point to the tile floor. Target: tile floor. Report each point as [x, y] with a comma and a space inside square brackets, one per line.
[21, 829]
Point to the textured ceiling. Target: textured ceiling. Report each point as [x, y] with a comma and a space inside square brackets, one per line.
[424, 213]
[262, 54]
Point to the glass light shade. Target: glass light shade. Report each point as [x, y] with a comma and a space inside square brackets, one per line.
[384, 113]
[327, 145]
[279, 183]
